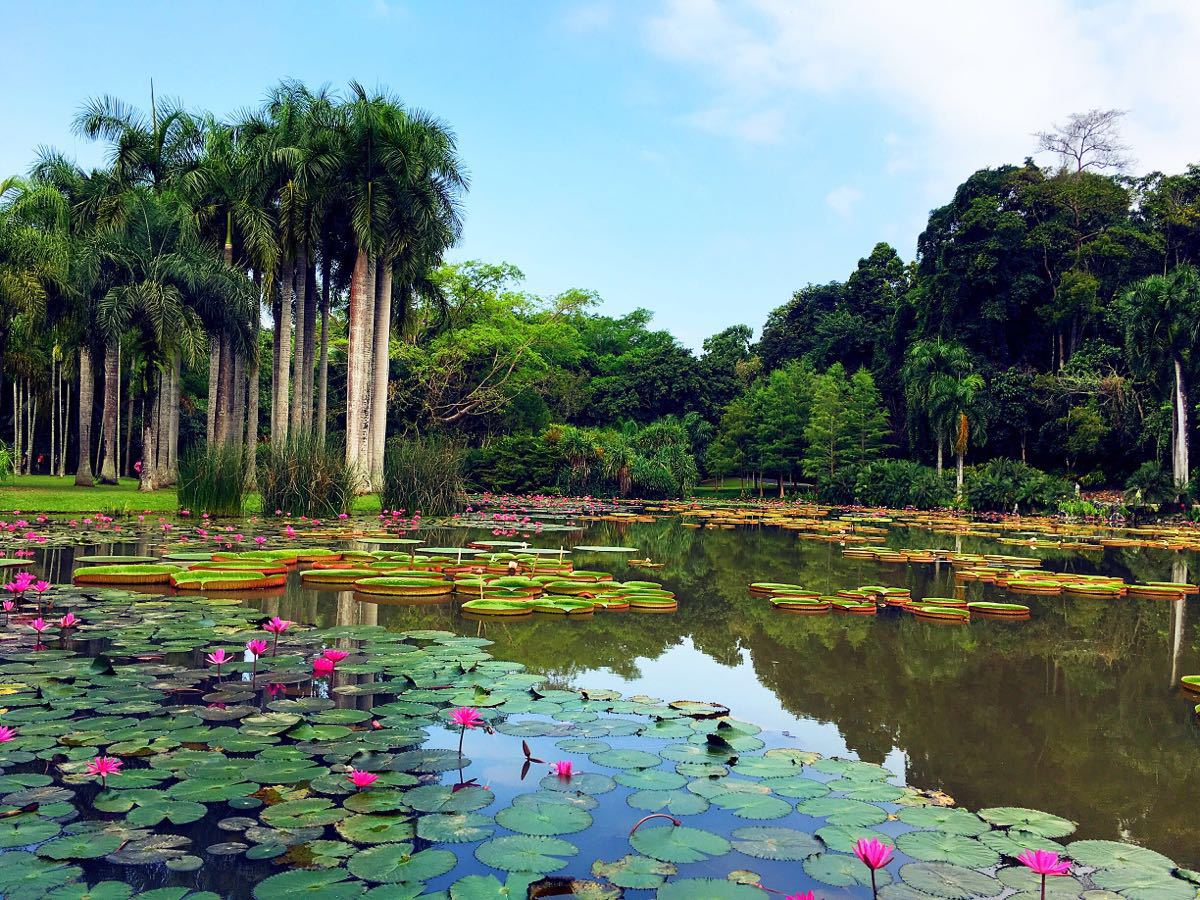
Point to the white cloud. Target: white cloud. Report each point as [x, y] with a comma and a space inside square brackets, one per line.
[972, 81]
[842, 200]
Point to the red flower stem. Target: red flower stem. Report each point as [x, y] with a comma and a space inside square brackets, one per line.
[461, 734]
[875, 890]
[638, 823]
[1043, 886]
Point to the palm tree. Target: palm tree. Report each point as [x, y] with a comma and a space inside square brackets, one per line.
[933, 373]
[1162, 327]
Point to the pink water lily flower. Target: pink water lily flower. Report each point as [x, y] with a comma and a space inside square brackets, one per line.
[9, 605]
[322, 667]
[68, 621]
[39, 625]
[257, 647]
[41, 586]
[7, 734]
[362, 779]
[217, 658]
[564, 769]
[1043, 862]
[874, 854]
[103, 766]
[260, 540]
[466, 716]
[809, 896]
[277, 625]
[334, 656]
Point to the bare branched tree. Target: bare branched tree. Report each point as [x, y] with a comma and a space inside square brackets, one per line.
[1090, 140]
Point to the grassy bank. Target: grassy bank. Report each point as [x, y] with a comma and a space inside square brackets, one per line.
[48, 494]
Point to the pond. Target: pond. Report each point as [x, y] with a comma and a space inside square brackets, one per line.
[1075, 711]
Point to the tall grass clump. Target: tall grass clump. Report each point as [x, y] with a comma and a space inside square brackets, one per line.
[422, 473]
[6, 464]
[303, 477]
[212, 479]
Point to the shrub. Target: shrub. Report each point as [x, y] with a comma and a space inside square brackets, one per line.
[898, 483]
[513, 464]
[1001, 484]
[212, 479]
[305, 478]
[422, 473]
[1150, 485]
[6, 464]
[841, 487]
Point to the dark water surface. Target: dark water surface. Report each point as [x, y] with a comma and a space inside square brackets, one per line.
[1075, 712]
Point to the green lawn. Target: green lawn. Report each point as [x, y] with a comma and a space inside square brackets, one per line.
[48, 494]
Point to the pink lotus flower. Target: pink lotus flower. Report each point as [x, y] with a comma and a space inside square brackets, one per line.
[217, 658]
[277, 625]
[322, 667]
[362, 779]
[564, 769]
[9, 606]
[334, 656]
[103, 766]
[466, 716]
[808, 896]
[39, 625]
[260, 540]
[290, 531]
[7, 734]
[1043, 862]
[874, 854]
[68, 621]
[257, 647]
[41, 586]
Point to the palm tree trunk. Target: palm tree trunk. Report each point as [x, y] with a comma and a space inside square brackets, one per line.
[83, 469]
[117, 414]
[214, 373]
[958, 473]
[362, 308]
[310, 345]
[108, 468]
[296, 409]
[252, 392]
[66, 431]
[168, 453]
[939, 455]
[1179, 452]
[237, 422]
[146, 477]
[283, 329]
[129, 436]
[323, 375]
[379, 380]
[53, 413]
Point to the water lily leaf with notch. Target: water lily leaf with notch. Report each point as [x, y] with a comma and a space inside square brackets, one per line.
[678, 843]
[625, 759]
[948, 881]
[581, 745]
[177, 812]
[767, 842]
[1103, 854]
[103, 890]
[566, 798]
[1141, 883]
[1031, 820]
[26, 829]
[842, 838]
[147, 851]
[26, 877]
[766, 767]
[375, 801]
[840, 870]
[454, 828]
[1023, 879]
[307, 813]
[876, 792]
[307, 732]
[694, 753]
[429, 761]
[1014, 841]
[530, 728]
[708, 889]
[441, 798]
[523, 853]
[634, 872]
[702, 770]
[676, 803]
[203, 790]
[331, 883]
[852, 768]
[544, 818]
[583, 782]
[650, 780]
[489, 887]
[950, 819]
[941, 846]
[391, 863]
[271, 771]
[376, 829]
[843, 811]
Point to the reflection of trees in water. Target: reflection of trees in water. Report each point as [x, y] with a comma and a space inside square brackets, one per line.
[1070, 711]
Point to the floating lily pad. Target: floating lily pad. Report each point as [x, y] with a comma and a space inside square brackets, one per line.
[376, 829]
[522, 853]
[766, 842]
[843, 811]
[391, 863]
[545, 818]
[440, 798]
[840, 870]
[1103, 854]
[675, 803]
[455, 828]
[678, 843]
[708, 889]
[1031, 820]
[634, 872]
[949, 881]
[333, 883]
[944, 818]
[941, 846]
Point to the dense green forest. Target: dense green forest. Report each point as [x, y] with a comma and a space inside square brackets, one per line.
[282, 274]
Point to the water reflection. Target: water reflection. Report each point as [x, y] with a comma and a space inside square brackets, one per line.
[1075, 711]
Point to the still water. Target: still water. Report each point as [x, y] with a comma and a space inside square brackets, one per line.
[1075, 711]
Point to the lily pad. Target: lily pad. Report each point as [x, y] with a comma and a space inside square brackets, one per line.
[678, 843]
[840, 870]
[544, 818]
[634, 872]
[523, 853]
[1032, 820]
[941, 846]
[767, 842]
[949, 881]
[390, 863]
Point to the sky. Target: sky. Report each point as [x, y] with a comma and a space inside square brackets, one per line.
[699, 158]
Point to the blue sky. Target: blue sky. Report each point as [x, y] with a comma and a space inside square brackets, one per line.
[701, 158]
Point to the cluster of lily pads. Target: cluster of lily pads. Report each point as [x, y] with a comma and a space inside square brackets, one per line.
[138, 750]
[870, 599]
